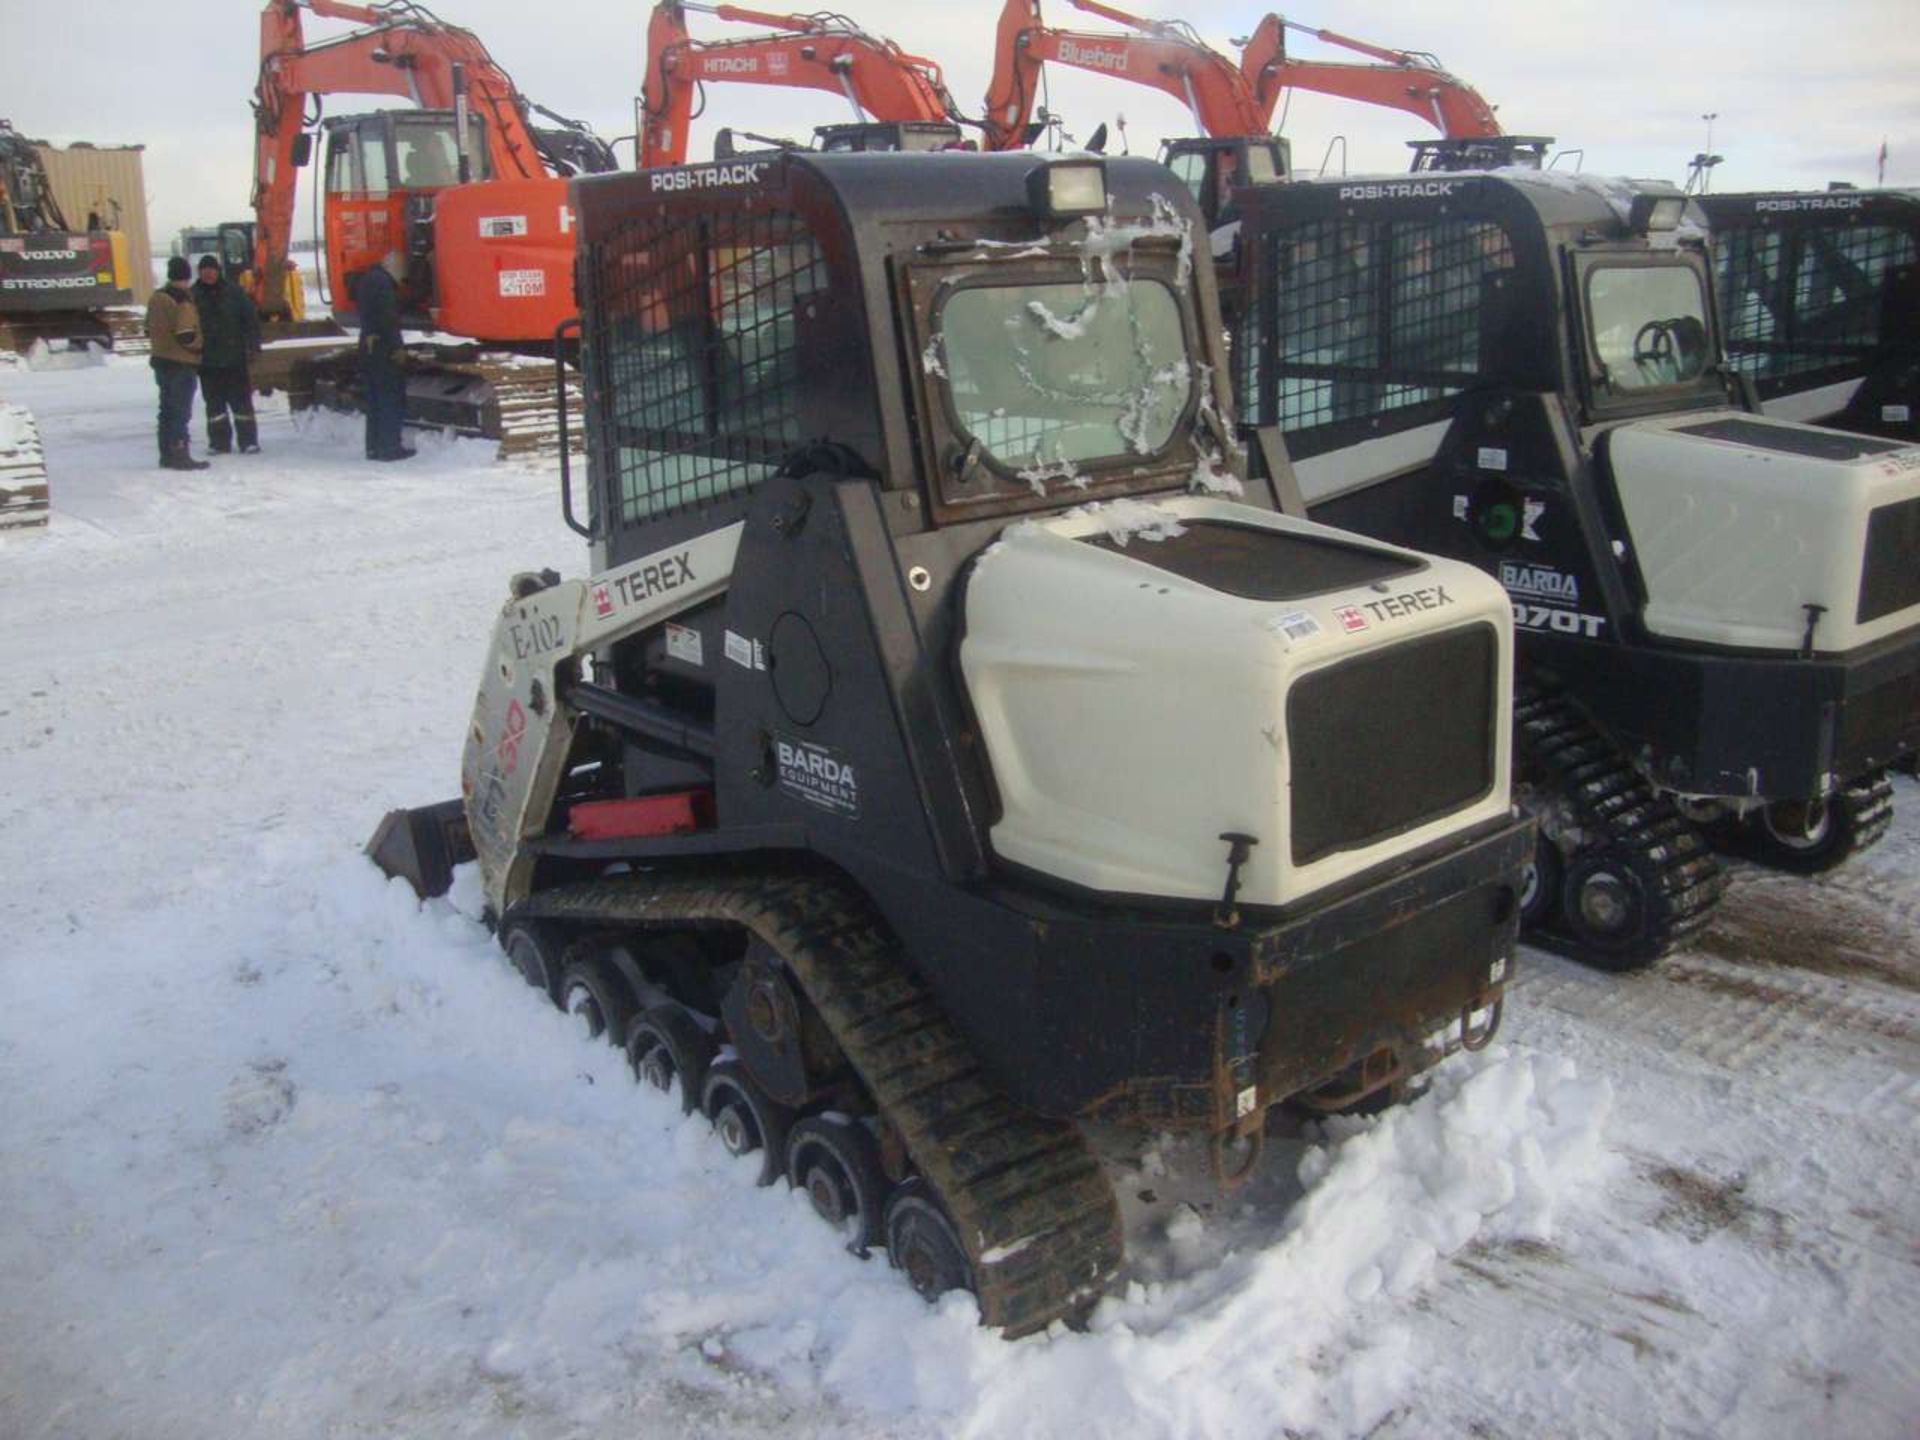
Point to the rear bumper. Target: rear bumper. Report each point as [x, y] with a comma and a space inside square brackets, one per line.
[1766, 727]
[1134, 1017]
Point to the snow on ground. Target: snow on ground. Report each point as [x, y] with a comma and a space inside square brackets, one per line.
[284, 1153]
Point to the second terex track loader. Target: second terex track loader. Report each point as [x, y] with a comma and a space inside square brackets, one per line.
[936, 759]
[1719, 612]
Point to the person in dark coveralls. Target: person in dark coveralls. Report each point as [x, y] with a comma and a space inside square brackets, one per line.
[229, 335]
[378, 297]
[173, 331]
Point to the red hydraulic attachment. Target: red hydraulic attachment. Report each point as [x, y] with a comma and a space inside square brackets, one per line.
[816, 52]
[1407, 80]
[1166, 55]
[514, 288]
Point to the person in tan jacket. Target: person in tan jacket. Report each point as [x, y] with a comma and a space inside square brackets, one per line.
[173, 331]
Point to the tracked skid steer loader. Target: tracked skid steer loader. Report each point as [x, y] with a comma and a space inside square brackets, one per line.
[944, 751]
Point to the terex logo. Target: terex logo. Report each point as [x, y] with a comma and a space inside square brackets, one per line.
[1398, 190]
[1097, 56]
[708, 176]
[729, 65]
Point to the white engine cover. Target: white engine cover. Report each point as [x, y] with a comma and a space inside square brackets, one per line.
[1736, 536]
[1132, 715]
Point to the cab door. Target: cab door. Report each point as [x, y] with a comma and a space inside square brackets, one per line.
[363, 213]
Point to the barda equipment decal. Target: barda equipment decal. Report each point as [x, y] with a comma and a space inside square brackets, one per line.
[1546, 599]
[817, 775]
[502, 227]
[523, 284]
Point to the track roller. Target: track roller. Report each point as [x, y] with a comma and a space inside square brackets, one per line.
[665, 1044]
[598, 998]
[922, 1243]
[535, 952]
[837, 1162]
[746, 1118]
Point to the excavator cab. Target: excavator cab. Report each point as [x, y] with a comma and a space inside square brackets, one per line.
[884, 135]
[1480, 152]
[382, 172]
[1212, 169]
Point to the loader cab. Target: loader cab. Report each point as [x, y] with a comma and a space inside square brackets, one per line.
[382, 171]
[1212, 170]
[750, 314]
[1820, 294]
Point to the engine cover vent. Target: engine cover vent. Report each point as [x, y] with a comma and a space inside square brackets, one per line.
[1258, 564]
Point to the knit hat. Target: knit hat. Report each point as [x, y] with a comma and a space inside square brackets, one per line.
[177, 268]
[208, 260]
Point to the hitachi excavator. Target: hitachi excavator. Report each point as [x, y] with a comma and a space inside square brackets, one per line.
[1233, 105]
[466, 187]
[900, 101]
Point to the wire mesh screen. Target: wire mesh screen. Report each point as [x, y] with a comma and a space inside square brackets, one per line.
[1366, 317]
[701, 354]
[1811, 299]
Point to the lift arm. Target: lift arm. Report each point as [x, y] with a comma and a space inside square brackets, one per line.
[1400, 79]
[816, 52]
[403, 50]
[1166, 55]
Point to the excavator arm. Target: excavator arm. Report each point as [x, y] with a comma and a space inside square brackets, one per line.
[403, 50]
[817, 52]
[1398, 79]
[1167, 56]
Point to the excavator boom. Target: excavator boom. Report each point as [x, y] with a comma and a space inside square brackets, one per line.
[876, 76]
[1401, 80]
[1166, 56]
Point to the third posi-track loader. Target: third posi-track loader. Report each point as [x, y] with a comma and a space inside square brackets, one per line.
[1719, 612]
[942, 753]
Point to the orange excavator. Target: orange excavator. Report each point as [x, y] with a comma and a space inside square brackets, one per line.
[899, 100]
[1233, 105]
[390, 176]
[465, 186]
[1410, 80]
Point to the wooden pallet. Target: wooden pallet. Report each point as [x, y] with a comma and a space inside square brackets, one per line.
[23, 471]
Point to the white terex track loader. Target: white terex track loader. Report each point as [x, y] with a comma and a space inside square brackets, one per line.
[947, 771]
[1719, 612]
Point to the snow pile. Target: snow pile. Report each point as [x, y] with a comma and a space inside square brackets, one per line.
[1300, 1331]
[43, 356]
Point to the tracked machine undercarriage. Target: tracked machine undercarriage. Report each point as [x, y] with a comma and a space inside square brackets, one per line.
[943, 752]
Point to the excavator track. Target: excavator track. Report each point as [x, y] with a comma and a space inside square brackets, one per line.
[1622, 831]
[488, 394]
[23, 471]
[1029, 1203]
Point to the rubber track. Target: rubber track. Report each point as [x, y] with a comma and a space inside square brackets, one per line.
[1028, 1199]
[1870, 800]
[1614, 806]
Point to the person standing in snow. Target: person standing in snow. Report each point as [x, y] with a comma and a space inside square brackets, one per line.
[378, 297]
[173, 332]
[229, 336]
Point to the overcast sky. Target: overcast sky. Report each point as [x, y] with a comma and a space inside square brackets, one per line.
[1804, 93]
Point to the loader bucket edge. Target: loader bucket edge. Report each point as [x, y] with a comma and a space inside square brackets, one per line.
[422, 845]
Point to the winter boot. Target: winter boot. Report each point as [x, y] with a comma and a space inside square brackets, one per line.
[220, 435]
[166, 454]
[182, 458]
[249, 434]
